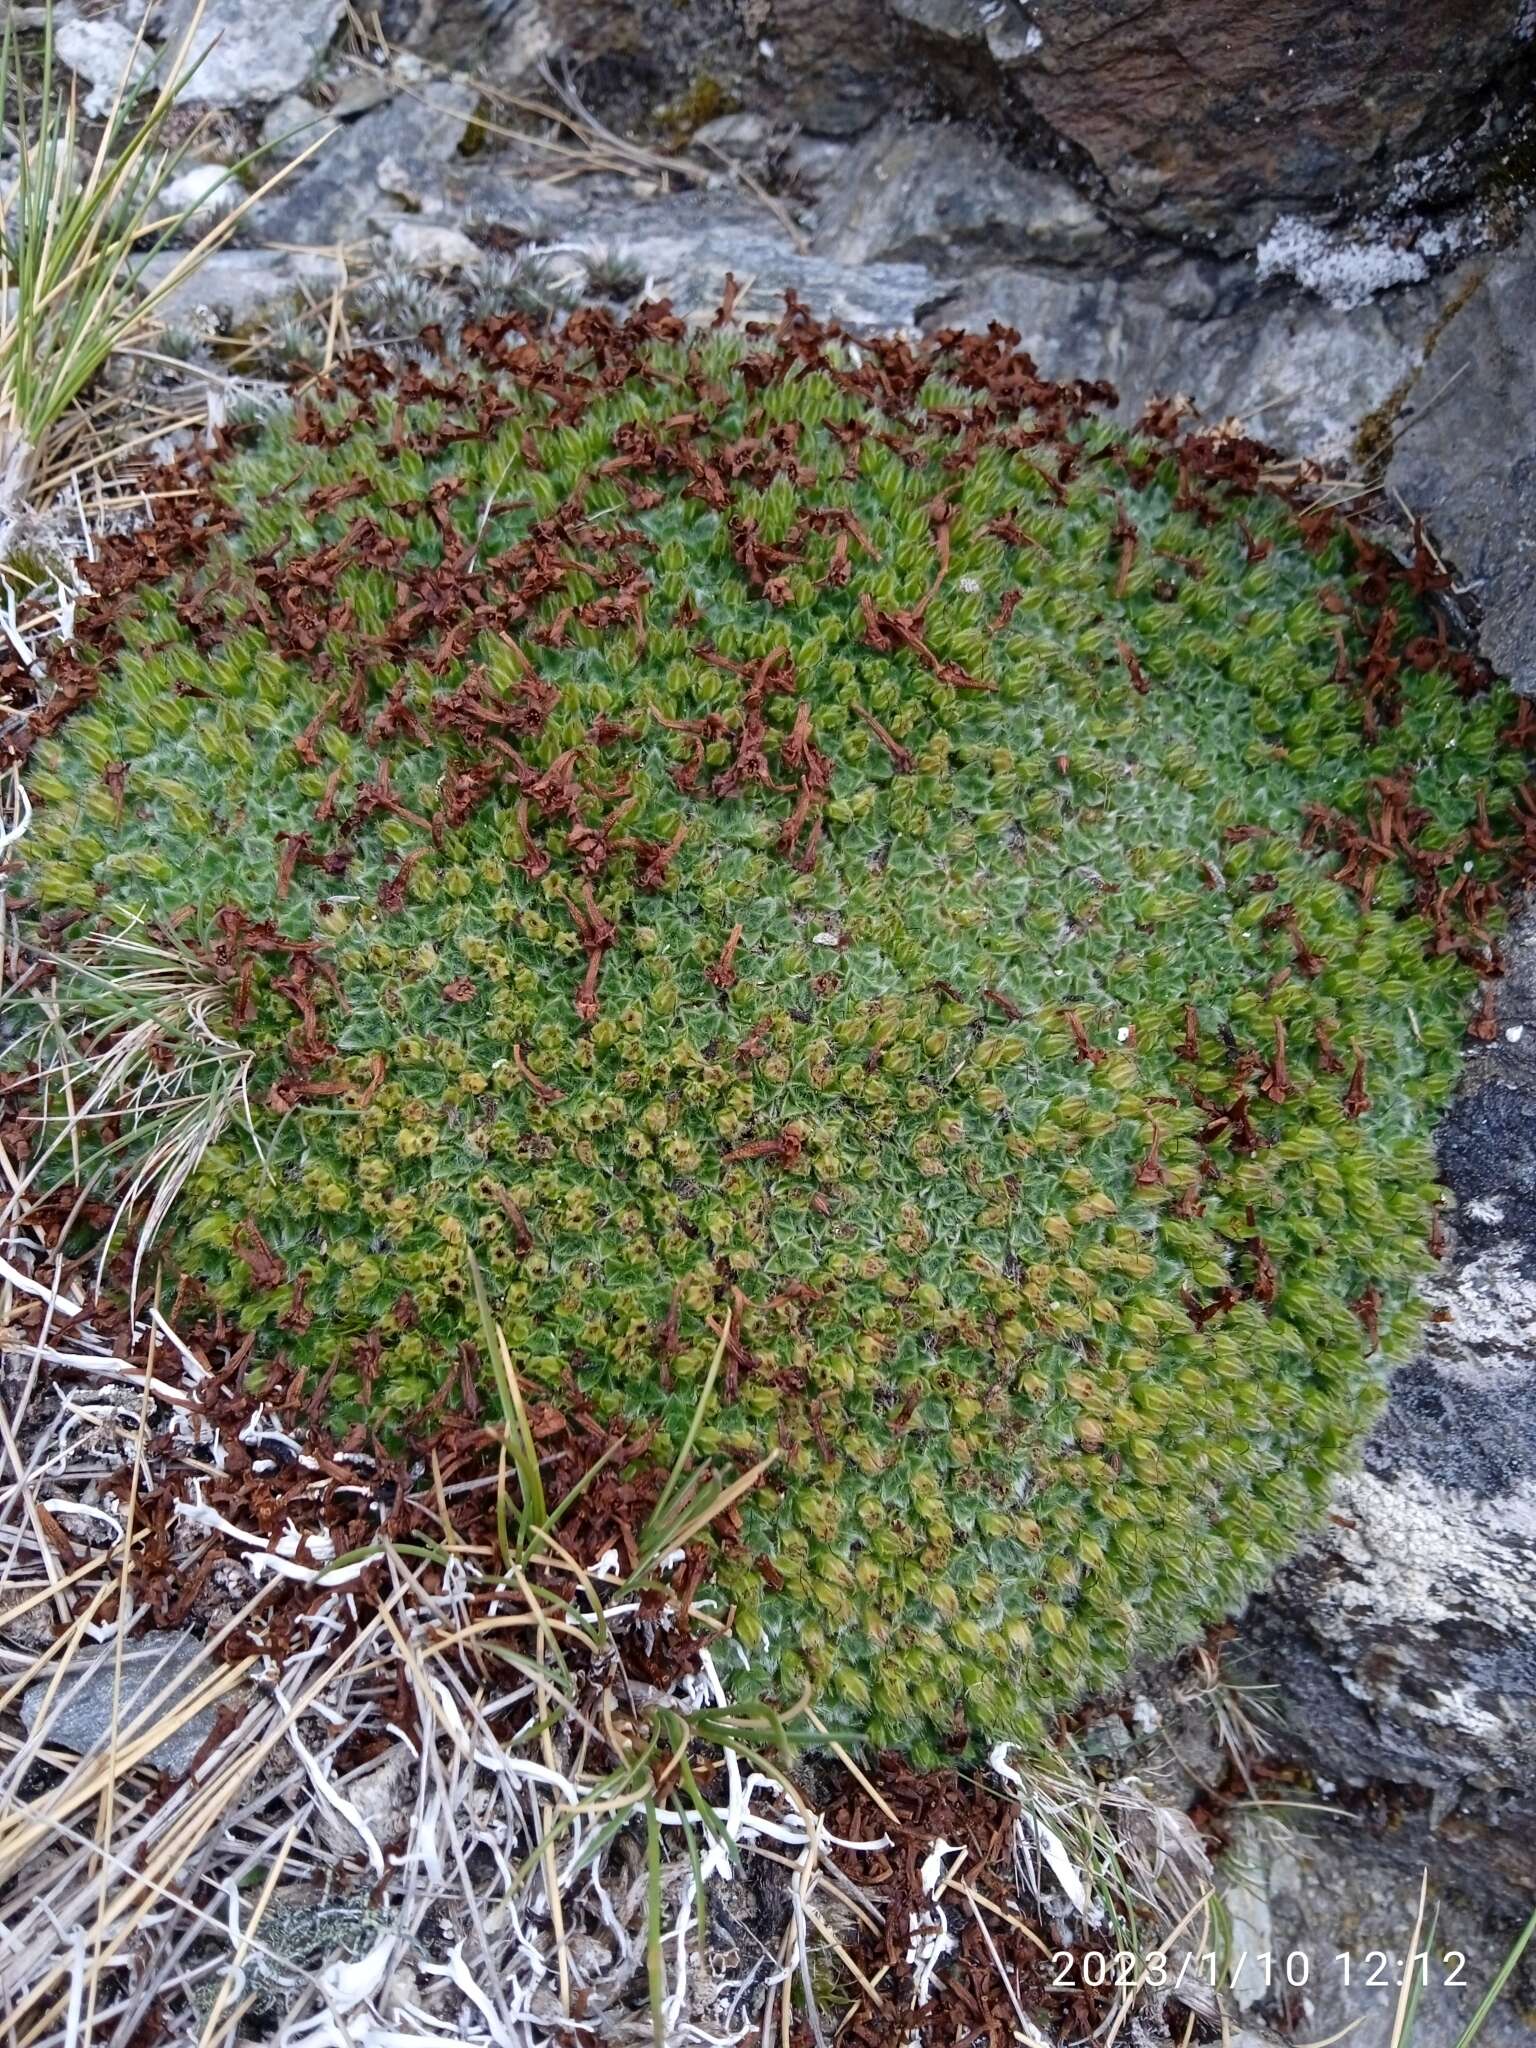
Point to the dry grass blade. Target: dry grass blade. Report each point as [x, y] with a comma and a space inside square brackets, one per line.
[1411, 1989]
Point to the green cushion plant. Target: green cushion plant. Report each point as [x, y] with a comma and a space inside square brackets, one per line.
[833, 846]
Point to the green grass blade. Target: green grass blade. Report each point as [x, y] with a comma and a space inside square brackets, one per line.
[680, 1463]
[696, 1868]
[533, 1512]
[1495, 1991]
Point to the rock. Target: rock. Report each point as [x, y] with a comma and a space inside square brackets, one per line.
[1314, 1897]
[941, 194]
[1208, 117]
[290, 126]
[1300, 374]
[360, 91]
[486, 194]
[158, 1672]
[811, 161]
[685, 251]
[400, 181]
[1200, 119]
[1349, 265]
[829, 66]
[739, 135]
[203, 192]
[1004, 28]
[384, 1797]
[429, 245]
[104, 53]
[1405, 1634]
[337, 197]
[239, 288]
[1106, 1738]
[1251, 1875]
[1463, 455]
[254, 52]
[1180, 1750]
[502, 41]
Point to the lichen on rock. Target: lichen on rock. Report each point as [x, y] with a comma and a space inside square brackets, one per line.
[833, 849]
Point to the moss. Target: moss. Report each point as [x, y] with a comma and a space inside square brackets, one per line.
[706, 99]
[827, 845]
[1376, 433]
[480, 130]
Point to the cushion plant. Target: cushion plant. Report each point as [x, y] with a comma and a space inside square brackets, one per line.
[833, 847]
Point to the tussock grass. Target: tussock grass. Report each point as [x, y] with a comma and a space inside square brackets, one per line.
[79, 234]
[144, 1049]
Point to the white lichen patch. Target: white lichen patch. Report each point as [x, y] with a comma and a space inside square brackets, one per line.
[1423, 1559]
[1347, 267]
[1398, 243]
[1484, 1331]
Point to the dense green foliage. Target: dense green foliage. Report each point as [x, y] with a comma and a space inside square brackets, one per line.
[746, 834]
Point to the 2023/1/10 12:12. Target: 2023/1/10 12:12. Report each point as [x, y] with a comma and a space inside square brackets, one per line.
[1377, 1968]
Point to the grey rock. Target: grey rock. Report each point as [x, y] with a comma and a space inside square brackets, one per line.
[941, 194]
[686, 252]
[237, 288]
[812, 160]
[337, 197]
[829, 66]
[961, 20]
[158, 1673]
[384, 1795]
[733, 134]
[1300, 374]
[1318, 1894]
[1203, 120]
[431, 245]
[1003, 26]
[503, 41]
[1180, 1755]
[1106, 1736]
[203, 192]
[466, 195]
[400, 181]
[102, 52]
[488, 194]
[359, 91]
[254, 52]
[1210, 119]
[290, 126]
[1465, 458]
